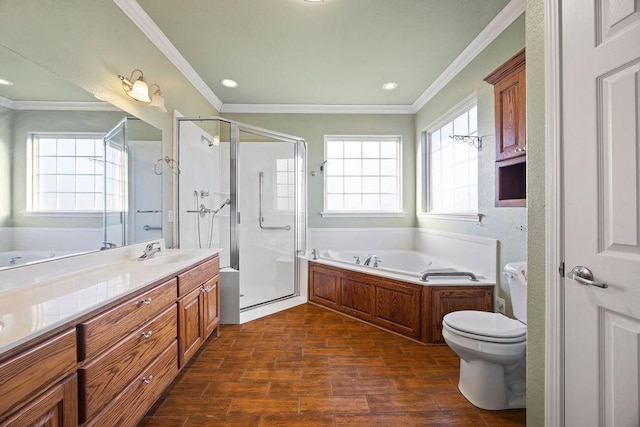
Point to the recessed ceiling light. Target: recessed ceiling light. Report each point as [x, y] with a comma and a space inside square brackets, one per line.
[389, 85]
[5, 82]
[229, 83]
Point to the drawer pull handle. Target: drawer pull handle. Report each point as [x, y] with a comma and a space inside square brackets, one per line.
[146, 301]
[207, 289]
[147, 380]
[147, 334]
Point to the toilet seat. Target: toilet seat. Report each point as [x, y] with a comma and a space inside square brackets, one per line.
[485, 326]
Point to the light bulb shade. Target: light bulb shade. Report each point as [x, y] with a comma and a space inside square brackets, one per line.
[157, 101]
[140, 91]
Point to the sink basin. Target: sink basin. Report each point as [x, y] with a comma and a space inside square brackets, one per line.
[169, 257]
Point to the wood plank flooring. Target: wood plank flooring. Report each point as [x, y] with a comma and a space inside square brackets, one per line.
[308, 366]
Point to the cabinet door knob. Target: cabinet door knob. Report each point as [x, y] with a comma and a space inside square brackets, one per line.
[146, 301]
[147, 380]
[521, 149]
[147, 334]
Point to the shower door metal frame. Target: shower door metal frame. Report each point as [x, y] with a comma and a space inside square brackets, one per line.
[234, 149]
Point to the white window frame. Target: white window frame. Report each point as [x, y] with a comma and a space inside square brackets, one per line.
[31, 209]
[289, 185]
[424, 156]
[399, 187]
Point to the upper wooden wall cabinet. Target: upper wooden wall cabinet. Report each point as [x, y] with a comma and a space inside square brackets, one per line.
[509, 82]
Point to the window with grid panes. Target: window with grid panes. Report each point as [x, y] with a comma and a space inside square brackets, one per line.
[67, 173]
[362, 174]
[452, 166]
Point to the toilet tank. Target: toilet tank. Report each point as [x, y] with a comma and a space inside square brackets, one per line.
[517, 279]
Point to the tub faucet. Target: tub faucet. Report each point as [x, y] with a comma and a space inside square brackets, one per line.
[150, 251]
[370, 258]
[13, 260]
[314, 254]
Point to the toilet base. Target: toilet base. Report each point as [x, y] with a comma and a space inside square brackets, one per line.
[493, 386]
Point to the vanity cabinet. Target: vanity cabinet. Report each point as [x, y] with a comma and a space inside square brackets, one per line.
[198, 308]
[56, 407]
[38, 386]
[509, 81]
[111, 365]
[407, 309]
[117, 346]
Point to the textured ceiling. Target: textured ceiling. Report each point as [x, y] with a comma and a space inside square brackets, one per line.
[33, 83]
[337, 52]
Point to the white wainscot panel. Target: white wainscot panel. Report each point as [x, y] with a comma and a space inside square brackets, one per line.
[361, 238]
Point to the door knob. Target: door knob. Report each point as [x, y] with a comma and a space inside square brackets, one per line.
[584, 276]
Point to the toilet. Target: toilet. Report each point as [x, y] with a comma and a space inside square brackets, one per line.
[492, 347]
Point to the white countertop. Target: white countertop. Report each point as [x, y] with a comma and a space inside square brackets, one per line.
[38, 298]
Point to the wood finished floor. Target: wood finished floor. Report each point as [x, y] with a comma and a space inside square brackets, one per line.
[308, 366]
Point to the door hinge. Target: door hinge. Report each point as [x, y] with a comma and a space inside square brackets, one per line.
[561, 269]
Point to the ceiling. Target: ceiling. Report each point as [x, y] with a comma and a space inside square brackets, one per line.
[336, 52]
[33, 83]
[291, 52]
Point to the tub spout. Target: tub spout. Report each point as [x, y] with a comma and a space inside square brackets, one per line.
[470, 275]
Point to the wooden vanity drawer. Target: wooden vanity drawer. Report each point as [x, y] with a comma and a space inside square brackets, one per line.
[27, 374]
[106, 329]
[106, 376]
[195, 277]
[131, 405]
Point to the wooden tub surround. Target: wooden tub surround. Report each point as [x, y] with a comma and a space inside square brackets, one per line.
[412, 310]
[109, 366]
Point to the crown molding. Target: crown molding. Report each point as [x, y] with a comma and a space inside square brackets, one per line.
[315, 109]
[143, 21]
[506, 17]
[57, 105]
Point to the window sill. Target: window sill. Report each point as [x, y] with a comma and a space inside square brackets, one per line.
[76, 214]
[452, 216]
[359, 214]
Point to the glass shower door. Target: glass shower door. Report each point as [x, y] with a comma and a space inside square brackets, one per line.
[267, 199]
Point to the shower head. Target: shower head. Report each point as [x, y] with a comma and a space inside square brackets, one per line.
[204, 138]
[226, 202]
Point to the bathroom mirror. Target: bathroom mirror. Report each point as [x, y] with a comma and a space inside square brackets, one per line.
[74, 172]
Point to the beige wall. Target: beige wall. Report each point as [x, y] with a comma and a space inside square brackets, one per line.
[536, 212]
[313, 127]
[507, 224]
[6, 122]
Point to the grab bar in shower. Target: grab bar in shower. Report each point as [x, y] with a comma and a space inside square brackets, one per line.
[260, 217]
[471, 276]
[149, 228]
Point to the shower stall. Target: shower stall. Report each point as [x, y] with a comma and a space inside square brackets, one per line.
[242, 189]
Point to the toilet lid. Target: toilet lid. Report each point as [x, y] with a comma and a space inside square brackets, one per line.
[485, 324]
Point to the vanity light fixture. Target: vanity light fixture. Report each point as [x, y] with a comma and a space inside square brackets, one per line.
[139, 90]
[229, 83]
[6, 82]
[157, 100]
[389, 85]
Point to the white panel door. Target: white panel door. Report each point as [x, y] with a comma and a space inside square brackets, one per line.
[601, 141]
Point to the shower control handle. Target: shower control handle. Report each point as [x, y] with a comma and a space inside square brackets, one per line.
[584, 276]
